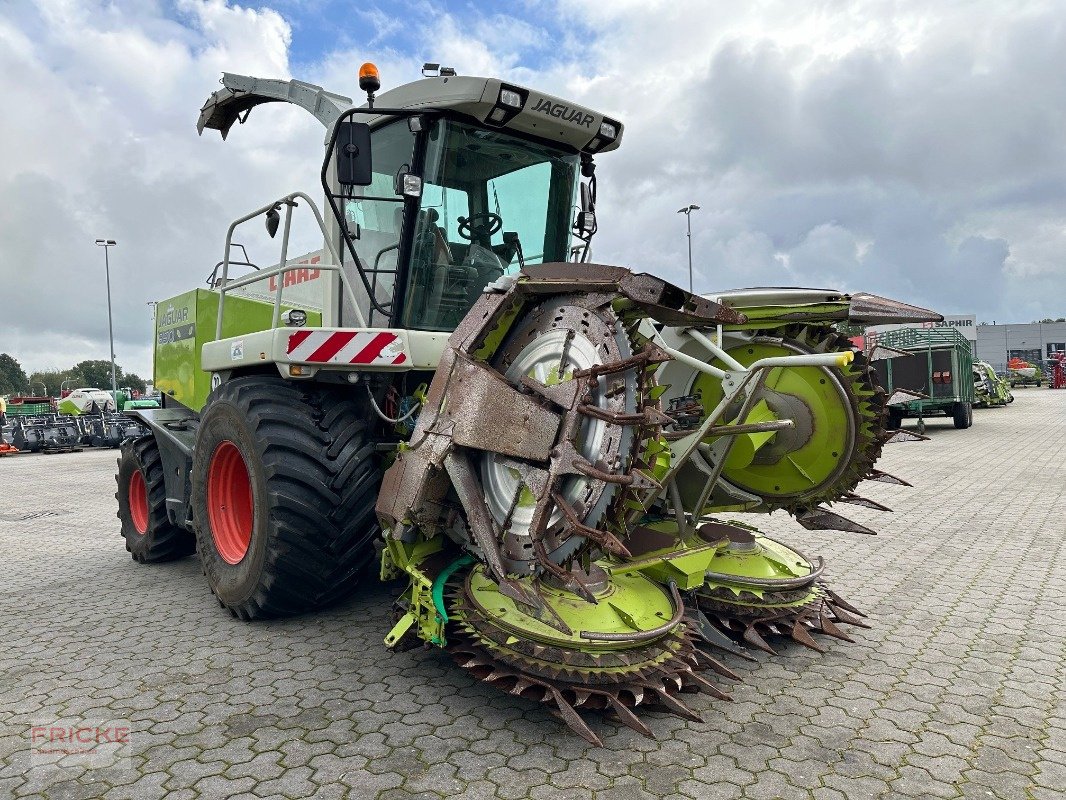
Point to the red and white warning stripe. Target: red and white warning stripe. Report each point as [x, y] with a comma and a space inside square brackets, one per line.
[345, 347]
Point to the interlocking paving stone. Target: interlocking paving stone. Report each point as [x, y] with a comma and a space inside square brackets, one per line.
[956, 690]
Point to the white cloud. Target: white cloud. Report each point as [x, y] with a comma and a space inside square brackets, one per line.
[108, 97]
[906, 147]
[897, 124]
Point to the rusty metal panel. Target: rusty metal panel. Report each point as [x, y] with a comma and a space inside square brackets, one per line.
[872, 309]
[415, 486]
[656, 298]
[495, 416]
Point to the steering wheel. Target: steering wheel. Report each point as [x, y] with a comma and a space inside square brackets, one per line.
[480, 225]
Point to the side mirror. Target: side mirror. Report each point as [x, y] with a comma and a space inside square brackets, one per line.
[353, 154]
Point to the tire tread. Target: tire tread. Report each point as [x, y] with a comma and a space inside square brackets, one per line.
[164, 540]
[323, 478]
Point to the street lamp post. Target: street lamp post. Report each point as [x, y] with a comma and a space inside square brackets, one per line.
[687, 211]
[107, 244]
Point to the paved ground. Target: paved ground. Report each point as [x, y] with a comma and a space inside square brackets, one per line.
[957, 691]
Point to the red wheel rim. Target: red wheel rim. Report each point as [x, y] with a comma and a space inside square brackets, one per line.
[138, 497]
[229, 503]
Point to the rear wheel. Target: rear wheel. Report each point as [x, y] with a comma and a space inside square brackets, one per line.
[963, 415]
[142, 506]
[284, 481]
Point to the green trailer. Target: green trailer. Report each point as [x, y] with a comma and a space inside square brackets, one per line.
[28, 409]
[938, 367]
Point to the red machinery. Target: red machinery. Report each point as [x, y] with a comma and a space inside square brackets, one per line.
[1057, 362]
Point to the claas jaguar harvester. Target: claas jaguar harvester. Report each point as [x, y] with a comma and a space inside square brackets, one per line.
[474, 394]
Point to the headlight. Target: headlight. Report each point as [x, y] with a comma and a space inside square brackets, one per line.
[509, 97]
[608, 130]
[294, 318]
[412, 185]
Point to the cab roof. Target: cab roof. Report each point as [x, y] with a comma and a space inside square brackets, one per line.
[540, 115]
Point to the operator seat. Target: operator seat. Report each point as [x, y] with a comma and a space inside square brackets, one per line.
[443, 286]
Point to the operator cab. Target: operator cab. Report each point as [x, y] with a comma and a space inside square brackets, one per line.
[491, 202]
[441, 194]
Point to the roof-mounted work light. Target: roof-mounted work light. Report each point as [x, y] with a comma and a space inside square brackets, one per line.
[509, 102]
[605, 134]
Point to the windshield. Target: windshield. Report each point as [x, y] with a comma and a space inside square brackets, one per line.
[489, 202]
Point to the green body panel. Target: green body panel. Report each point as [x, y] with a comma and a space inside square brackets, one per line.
[770, 317]
[630, 603]
[28, 409]
[130, 405]
[65, 406]
[184, 323]
[812, 462]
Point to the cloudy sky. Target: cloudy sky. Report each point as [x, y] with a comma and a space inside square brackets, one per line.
[916, 149]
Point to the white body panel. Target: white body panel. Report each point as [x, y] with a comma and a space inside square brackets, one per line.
[83, 399]
[344, 349]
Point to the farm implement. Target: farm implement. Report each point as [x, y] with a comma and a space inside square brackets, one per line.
[1057, 371]
[1024, 373]
[53, 433]
[989, 388]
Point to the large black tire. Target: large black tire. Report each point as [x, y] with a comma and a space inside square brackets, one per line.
[963, 415]
[142, 506]
[895, 420]
[284, 481]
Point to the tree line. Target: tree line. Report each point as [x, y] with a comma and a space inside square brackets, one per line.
[92, 373]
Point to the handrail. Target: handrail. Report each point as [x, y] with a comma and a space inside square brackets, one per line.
[839, 359]
[289, 201]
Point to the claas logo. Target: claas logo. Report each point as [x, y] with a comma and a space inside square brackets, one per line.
[295, 276]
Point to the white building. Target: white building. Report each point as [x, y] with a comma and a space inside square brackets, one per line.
[1031, 341]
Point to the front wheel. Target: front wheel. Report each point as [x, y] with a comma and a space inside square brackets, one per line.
[284, 482]
[142, 506]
